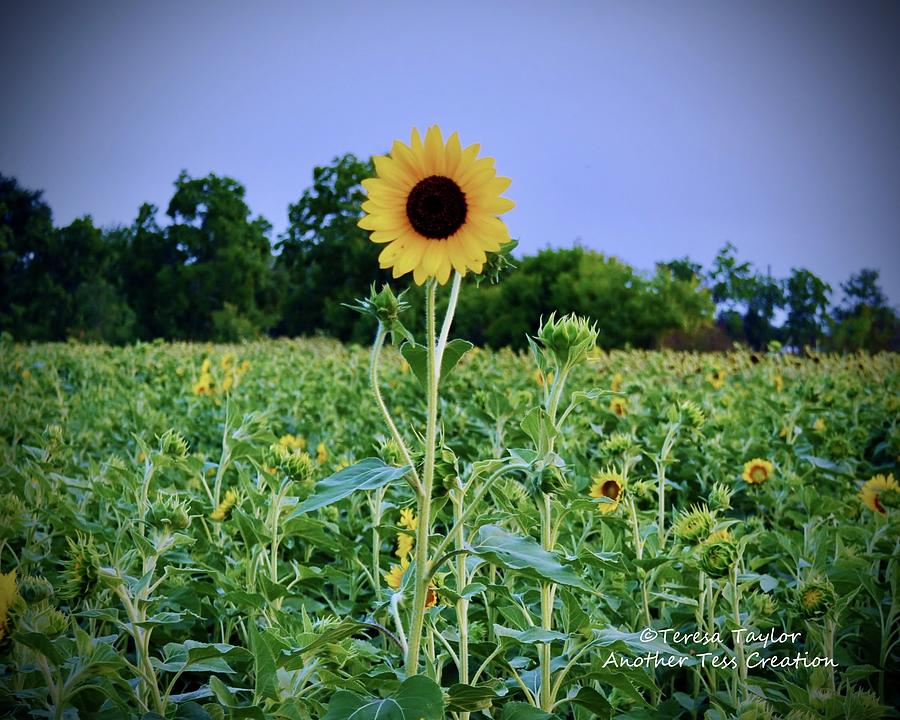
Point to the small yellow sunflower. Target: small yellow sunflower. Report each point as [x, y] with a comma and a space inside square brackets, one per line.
[224, 508]
[8, 595]
[616, 383]
[618, 406]
[394, 576]
[321, 453]
[607, 484]
[871, 491]
[408, 519]
[435, 205]
[717, 378]
[405, 544]
[757, 471]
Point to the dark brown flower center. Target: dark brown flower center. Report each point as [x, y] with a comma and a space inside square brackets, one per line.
[436, 207]
[610, 489]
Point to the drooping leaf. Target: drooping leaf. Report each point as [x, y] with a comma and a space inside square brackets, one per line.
[367, 474]
[522, 554]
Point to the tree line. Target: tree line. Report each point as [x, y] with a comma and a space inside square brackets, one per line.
[211, 270]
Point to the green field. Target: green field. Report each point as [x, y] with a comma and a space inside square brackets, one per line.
[177, 553]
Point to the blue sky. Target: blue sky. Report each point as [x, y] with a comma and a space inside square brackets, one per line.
[645, 130]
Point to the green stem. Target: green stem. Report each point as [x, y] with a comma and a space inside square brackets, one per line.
[639, 554]
[462, 605]
[546, 607]
[741, 676]
[376, 540]
[423, 532]
[376, 390]
[828, 646]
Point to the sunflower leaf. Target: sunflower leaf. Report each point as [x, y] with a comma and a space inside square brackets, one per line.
[522, 554]
[417, 357]
[367, 474]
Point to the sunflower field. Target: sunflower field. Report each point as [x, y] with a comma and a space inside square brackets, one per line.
[195, 531]
[298, 529]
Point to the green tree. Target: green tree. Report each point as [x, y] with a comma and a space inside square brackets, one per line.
[325, 258]
[864, 320]
[748, 301]
[208, 275]
[628, 308]
[26, 235]
[807, 306]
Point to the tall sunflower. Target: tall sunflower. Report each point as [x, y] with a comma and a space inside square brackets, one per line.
[435, 206]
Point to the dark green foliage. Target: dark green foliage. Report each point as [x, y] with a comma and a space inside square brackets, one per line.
[629, 309]
[325, 259]
[864, 321]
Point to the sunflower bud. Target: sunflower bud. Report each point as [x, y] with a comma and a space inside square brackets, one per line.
[296, 464]
[814, 597]
[762, 607]
[168, 512]
[81, 573]
[692, 414]
[34, 589]
[384, 306]
[568, 339]
[390, 452]
[172, 443]
[42, 618]
[718, 554]
[720, 497]
[862, 705]
[12, 516]
[617, 443]
[694, 524]
[755, 709]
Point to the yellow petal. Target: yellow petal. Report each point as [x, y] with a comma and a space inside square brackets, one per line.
[494, 206]
[373, 207]
[434, 151]
[457, 254]
[381, 221]
[452, 155]
[392, 171]
[390, 253]
[443, 271]
[496, 186]
[419, 274]
[476, 171]
[473, 249]
[383, 236]
[431, 258]
[404, 156]
[410, 258]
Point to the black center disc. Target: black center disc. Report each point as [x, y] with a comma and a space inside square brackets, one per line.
[436, 207]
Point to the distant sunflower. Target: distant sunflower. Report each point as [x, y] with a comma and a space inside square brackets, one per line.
[435, 205]
[871, 491]
[757, 471]
[394, 576]
[618, 406]
[607, 484]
